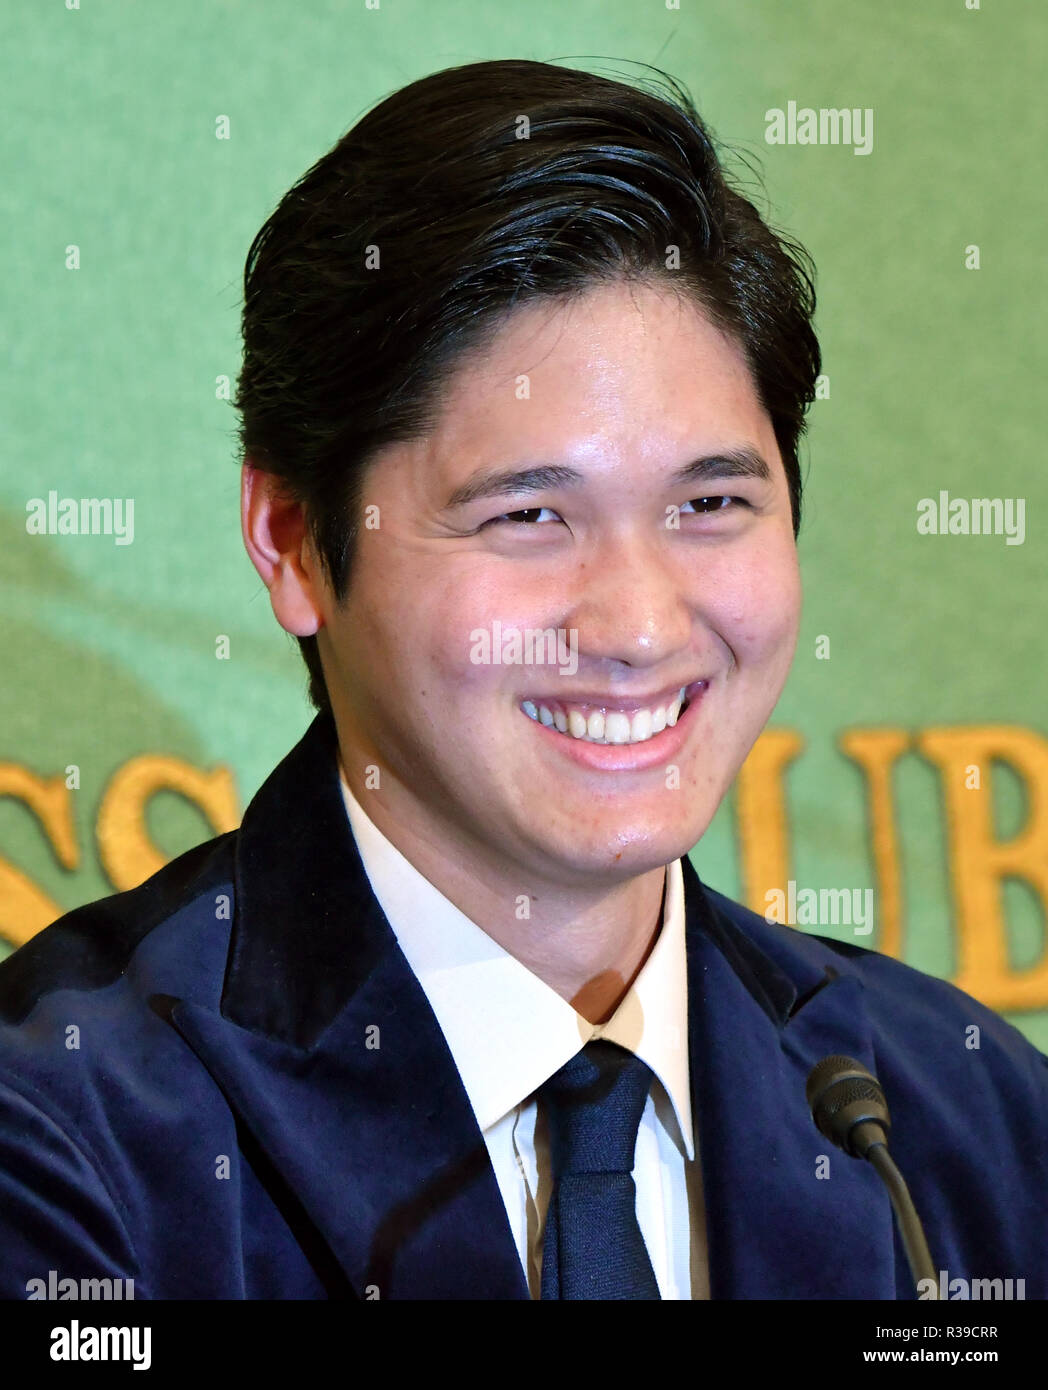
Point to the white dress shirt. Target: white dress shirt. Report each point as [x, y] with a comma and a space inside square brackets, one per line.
[508, 1032]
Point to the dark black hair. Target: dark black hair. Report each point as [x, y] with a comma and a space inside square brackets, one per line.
[450, 203]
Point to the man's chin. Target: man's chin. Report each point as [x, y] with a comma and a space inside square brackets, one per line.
[623, 853]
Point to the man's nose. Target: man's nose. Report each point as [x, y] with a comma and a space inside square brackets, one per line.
[633, 602]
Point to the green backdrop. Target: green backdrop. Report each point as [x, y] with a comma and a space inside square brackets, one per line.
[145, 142]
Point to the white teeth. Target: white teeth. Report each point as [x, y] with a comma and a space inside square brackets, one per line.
[640, 728]
[613, 726]
[616, 727]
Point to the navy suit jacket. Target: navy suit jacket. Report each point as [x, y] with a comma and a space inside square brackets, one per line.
[226, 1127]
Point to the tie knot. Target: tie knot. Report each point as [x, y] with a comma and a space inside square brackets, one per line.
[594, 1104]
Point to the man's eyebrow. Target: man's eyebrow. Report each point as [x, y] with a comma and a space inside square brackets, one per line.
[741, 462]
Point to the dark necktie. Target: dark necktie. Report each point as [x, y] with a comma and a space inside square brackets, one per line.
[593, 1247]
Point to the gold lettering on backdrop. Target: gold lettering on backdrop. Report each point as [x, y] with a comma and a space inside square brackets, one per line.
[761, 811]
[26, 909]
[979, 861]
[876, 751]
[127, 853]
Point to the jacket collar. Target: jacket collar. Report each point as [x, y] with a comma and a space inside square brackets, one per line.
[321, 1018]
[787, 1214]
[307, 929]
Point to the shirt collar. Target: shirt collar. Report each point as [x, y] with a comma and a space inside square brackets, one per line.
[507, 1030]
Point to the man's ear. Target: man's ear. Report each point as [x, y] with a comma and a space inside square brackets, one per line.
[275, 537]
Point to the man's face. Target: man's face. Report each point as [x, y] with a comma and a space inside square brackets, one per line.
[623, 386]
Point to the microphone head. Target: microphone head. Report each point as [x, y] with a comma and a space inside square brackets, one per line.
[842, 1095]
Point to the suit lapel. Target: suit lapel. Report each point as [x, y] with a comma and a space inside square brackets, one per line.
[326, 1047]
[378, 1143]
[762, 1011]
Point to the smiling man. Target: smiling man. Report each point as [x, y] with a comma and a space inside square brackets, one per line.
[573, 509]
[451, 1015]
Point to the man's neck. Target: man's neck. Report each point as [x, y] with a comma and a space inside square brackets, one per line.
[587, 945]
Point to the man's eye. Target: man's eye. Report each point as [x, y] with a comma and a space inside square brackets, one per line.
[526, 517]
[715, 504]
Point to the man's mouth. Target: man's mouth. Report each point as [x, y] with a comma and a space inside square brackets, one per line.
[592, 722]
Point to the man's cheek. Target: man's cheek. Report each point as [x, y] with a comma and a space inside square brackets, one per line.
[450, 673]
[758, 636]
[770, 619]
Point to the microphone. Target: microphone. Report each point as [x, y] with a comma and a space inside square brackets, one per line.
[849, 1109]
